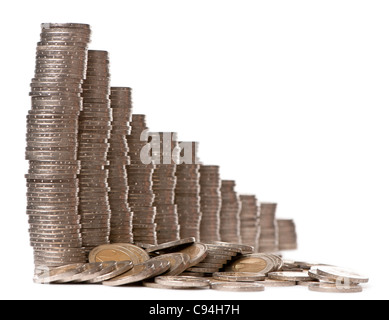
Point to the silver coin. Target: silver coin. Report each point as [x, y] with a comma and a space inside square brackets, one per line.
[335, 288]
[238, 286]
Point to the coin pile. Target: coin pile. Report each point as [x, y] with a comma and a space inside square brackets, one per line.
[230, 213]
[249, 220]
[287, 236]
[210, 200]
[94, 130]
[268, 239]
[164, 146]
[141, 196]
[121, 214]
[187, 195]
[52, 127]
[166, 265]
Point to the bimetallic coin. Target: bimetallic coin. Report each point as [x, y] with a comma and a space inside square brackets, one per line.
[120, 268]
[171, 245]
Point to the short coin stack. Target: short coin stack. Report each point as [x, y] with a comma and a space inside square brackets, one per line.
[94, 130]
[121, 214]
[52, 127]
[187, 196]
[230, 213]
[287, 236]
[140, 174]
[249, 220]
[164, 146]
[268, 239]
[211, 201]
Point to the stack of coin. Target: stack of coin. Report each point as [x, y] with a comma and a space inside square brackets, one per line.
[249, 220]
[187, 195]
[94, 130]
[52, 128]
[230, 213]
[287, 236]
[121, 214]
[165, 157]
[210, 199]
[140, 174]
[268, 239]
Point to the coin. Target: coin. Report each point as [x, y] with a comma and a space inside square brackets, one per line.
[249, 220]
[183, 282]
[197, 253]
[279, 283]
[290, 276]
[120, 268]
[335, 288]
[261, 263]
[118, 252]
[239, 276]
[341, 274]
[140, 272]
[238, 286]
[179, 262]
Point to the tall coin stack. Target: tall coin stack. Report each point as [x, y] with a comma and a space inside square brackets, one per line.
[52, 135]
[140, 175]
[249, 220]
[188, 195]
[211, 201]
[287, 236]
[268, 239]
[164, 151]
[121, 214]
[230, 213]
[94, 130]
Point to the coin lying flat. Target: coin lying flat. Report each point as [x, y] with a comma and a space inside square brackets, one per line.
[238, 286]
[239, 276]
[278, 283]
[341, 274]
[335, 288]
[183, 282]
[290, 276]
[57, 274]
[140, 272]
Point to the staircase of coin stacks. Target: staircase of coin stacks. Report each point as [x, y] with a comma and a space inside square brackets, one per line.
[88, 184]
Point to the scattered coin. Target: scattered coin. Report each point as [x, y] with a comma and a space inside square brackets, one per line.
[238, 286]
[341, 274]
[140, 272]
[290, 276]
[183, 282]
[118, 252]
[239, 276]
[335, 288]
[120, 268]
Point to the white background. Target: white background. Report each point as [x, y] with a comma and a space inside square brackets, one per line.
[290, 98]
